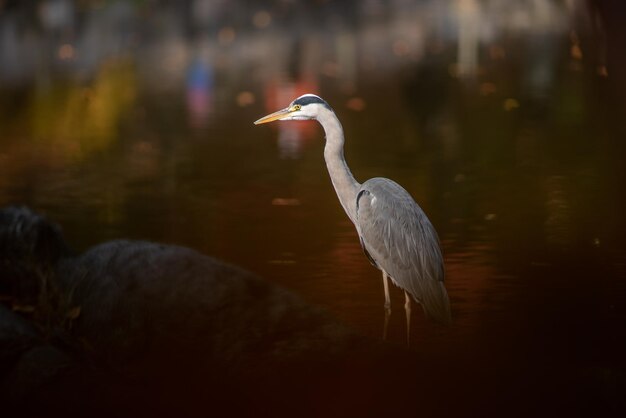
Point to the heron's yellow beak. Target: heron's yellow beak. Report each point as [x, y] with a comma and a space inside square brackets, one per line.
[275, 116]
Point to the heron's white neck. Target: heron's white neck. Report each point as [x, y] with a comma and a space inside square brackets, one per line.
[343, 180]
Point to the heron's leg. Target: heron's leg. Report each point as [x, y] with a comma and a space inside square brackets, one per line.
[407, 309]
[387, 304]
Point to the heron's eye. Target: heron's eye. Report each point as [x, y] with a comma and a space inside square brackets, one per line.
[297, 107]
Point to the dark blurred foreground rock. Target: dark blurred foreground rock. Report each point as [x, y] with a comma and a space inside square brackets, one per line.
[141, 329]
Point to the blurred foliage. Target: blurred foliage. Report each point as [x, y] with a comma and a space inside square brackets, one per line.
[79, 120]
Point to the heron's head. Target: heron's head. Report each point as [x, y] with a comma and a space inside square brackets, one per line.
[308, 106]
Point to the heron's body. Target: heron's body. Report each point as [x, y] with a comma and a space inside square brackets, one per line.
[401, 241]
[395, 233]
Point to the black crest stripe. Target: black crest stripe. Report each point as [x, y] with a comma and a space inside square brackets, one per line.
[303, 101]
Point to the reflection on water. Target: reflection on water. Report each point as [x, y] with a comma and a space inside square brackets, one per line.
[199, 92]
[123, 119]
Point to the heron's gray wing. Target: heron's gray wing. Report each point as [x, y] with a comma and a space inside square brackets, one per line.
[397, 235]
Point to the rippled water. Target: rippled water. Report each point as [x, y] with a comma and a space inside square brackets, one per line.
[505, 129]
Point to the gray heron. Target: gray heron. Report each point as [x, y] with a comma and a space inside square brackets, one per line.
[396, 235]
